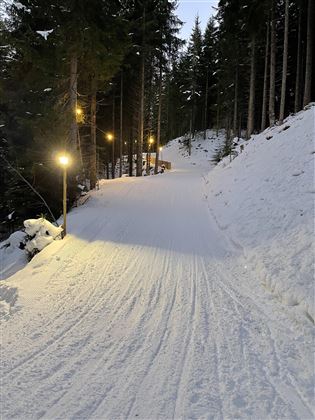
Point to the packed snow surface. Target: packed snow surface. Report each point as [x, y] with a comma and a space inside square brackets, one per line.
[154, 305]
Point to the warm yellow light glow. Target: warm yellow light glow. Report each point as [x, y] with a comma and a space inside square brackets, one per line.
[63, 160]
[151, 140]
[109, 136]
[78, 111]
[160, 148]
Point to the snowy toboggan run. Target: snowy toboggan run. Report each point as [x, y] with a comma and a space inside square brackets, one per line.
[164, 300]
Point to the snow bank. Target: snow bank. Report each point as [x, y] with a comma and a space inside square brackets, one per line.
[264, 200]
[12, 255]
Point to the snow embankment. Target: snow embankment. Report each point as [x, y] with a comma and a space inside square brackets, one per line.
[202, 150]
[17, 250]
[264, 201]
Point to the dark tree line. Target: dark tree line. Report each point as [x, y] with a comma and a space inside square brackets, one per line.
[253, 66]
[72, 72]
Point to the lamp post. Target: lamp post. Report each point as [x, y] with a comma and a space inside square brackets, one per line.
[64, 163]
[150, 142]
[110, 138]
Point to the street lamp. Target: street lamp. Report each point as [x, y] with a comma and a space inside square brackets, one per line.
[150, 142]
[64, 162]
[79, 114]
[110, 138]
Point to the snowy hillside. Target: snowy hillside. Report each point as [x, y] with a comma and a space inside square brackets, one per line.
[202, 150]
[264, 201]
[152, 307]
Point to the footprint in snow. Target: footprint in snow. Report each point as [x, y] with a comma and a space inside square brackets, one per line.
[298, 173]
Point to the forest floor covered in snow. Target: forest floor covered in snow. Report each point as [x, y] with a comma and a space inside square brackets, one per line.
[183, 295]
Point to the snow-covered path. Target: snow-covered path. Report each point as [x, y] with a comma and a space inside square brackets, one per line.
[147, 310]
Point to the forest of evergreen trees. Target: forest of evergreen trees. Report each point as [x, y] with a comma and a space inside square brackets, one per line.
[72, 71]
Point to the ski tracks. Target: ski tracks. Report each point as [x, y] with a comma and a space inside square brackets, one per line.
[152, 315]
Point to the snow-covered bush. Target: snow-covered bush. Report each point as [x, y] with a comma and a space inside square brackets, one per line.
[23, 245]
[40, 233]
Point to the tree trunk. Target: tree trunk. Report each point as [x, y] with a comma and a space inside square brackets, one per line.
[121, 125]
[92, 153]
[114, 137]
[265, 90]
[206, 105]
[73, 135]
[190, 132]
[272, 88]
[251, 102]
[309, 53]
[169, 130]
[284, 62]
[158, 133]
[235, 113]
[297, 98]
[130, 152]
[141, 122]
[218, 112]
[107, 169]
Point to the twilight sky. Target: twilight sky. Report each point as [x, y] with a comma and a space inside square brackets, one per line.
[188, 9]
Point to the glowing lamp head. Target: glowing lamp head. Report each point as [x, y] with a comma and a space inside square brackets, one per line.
[109, 136]
[151, 140]
[160, 148]
[63, 160]
[78, 111]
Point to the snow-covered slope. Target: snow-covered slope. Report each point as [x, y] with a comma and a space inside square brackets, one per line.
[148, 309]
[264, 201]
[202, 150]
